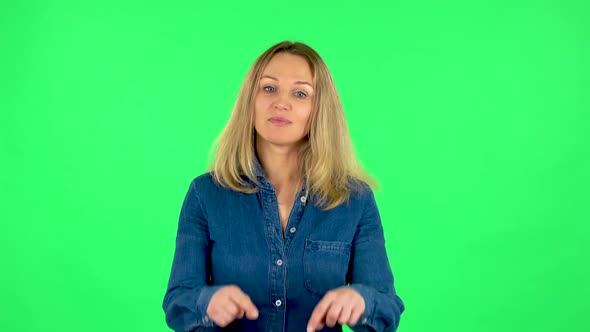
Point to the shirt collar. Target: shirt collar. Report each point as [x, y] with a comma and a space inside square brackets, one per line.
[261, 176]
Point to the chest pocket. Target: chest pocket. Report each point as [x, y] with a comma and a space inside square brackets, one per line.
[325, 264]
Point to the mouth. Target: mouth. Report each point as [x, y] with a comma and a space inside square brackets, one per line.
[279, 121]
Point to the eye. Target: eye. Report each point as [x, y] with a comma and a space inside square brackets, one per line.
[266, 88]
[300, 94]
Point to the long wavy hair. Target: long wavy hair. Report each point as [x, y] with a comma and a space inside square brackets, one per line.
[326, 158]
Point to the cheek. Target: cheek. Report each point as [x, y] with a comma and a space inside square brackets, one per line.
[304, 112]
[260, 104]
[258, 108]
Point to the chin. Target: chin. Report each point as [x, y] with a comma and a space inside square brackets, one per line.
[282, 142]
[280, 139]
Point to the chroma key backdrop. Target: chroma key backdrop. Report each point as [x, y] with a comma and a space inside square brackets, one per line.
[472, 115]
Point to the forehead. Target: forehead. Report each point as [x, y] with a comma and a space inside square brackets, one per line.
[288, 66]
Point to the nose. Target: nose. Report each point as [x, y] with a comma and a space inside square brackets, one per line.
[281, 102]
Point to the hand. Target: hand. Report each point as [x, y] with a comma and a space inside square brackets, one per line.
[230, 303]
[343, 305]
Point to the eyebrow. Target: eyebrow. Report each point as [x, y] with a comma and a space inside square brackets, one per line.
[296, 82]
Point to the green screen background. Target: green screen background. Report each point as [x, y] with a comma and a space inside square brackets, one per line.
[473, 116]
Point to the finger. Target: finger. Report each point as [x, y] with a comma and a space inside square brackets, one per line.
[222, 319]
[217, 314]
[333, 314]
[321, 326]
[240, 315]
[345, 315]
[316, 328]
[245, 304]
[231, 309]
[355, 315]
[318, 315]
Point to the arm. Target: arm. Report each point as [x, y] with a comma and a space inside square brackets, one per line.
[371, 276]
[188, 294]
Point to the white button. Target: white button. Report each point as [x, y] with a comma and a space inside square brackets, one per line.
[278, 303]
[293, 229]
[303, 199]
[280, 262]
[364, 321]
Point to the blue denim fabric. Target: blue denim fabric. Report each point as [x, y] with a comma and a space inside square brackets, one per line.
[225, 237]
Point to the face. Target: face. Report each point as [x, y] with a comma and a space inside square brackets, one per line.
[283, 100]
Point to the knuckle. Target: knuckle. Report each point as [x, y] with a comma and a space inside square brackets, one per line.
[212, 311]
[232, 310]
[332, 316]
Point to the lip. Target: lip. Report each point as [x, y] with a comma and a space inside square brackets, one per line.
[279, 121]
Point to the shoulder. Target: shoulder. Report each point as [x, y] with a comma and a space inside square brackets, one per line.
[209, 190]
[204, 183]
[364, 196]
[203, 179]
[357, 195]
[360, 190]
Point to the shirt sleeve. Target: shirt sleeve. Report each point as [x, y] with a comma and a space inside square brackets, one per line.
[188, 293]
[370, 273]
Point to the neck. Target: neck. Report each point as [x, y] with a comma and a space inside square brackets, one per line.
[281, 166]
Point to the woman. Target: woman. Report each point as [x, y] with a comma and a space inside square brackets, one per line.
[283, 232]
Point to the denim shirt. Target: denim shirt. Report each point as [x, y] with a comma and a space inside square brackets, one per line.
[225, 237]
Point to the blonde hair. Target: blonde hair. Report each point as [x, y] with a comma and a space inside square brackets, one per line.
[326, 158]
